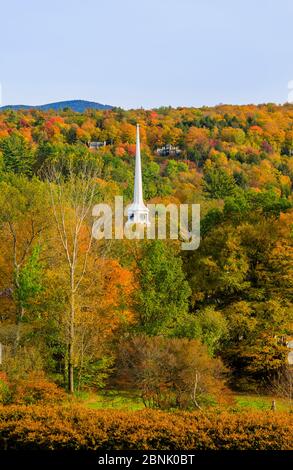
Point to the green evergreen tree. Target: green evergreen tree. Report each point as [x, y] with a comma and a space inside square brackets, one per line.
[18, 156]
[218, 184]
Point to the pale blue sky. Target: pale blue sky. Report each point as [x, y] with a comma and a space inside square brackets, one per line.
[146, 52]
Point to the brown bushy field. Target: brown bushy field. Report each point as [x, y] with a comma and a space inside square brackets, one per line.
[73, 427]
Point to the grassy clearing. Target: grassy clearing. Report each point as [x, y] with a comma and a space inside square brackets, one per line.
[121, 400]
[261, 402]
[112, 399]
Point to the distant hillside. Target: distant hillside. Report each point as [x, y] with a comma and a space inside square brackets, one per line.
[76, 105]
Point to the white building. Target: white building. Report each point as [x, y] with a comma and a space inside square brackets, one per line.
[138, 213]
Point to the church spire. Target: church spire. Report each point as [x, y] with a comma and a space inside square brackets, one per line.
[137, 196]
[138, 212]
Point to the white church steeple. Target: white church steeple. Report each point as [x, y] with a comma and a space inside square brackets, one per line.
[138, 213]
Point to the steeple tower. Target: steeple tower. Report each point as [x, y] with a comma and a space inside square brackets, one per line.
[138, 213]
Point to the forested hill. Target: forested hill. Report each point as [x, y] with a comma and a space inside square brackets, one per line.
[75, 105]
[233, 296]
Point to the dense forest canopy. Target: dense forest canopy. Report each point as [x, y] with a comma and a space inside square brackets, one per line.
[69, 305]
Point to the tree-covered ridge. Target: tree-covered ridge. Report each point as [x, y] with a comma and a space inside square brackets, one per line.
[78, 106]
[243, 146]
[231, 298]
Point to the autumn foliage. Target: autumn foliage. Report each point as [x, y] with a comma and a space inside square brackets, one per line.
[55, 428]
[37, 388]
[171, 372]
[71, 299]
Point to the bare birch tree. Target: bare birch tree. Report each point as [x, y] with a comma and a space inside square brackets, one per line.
[72, 199]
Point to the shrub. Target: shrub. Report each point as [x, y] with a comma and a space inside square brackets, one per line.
[5, 393]
[171, 372]
[24, 382]
[36, 387]
[56, 428]
[17, 366]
